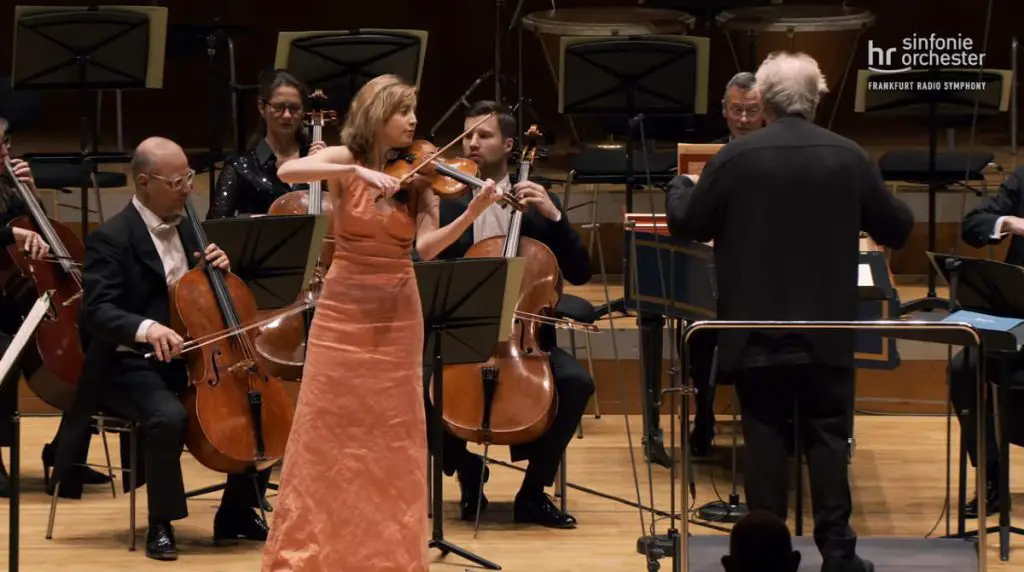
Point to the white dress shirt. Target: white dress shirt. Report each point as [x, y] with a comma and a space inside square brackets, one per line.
[495, 220]
[168, 246]
[997, 230]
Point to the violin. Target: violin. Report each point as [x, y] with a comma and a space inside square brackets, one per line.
[510, 399]
[56, 340]
[282, 343]
[239, 415]
[448, 178]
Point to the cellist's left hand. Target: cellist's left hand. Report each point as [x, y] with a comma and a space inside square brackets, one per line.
[217, 257]
[530, 193]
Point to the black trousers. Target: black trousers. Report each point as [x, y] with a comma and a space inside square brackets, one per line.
[964, 395]
[824, 397]
[142, 390]
[574, 387]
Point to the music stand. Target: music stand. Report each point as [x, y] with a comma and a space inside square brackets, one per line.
[275, 255]
[987, 287]
[467, 310]
[889, 98]
[341, 62]
[7, 362]
[622, 77]
[88, 49]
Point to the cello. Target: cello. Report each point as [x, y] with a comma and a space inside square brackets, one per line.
[510, 399]
[56, 340]
[239, 415]
[282, 343]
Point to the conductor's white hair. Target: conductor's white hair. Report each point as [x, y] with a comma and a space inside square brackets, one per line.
[791, 84]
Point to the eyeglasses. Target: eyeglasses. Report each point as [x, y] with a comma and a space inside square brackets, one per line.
[177, 183]
[738, 111]
[279, 108]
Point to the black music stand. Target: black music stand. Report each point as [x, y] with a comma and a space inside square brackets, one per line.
[341, 62]
[621, 78]
[988, 287]
[8, 362]
[274, 255]
[938, 108]
[463, 313]
[267, 253]
[89, 49]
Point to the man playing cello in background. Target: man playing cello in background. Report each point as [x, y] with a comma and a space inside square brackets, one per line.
[489, 145]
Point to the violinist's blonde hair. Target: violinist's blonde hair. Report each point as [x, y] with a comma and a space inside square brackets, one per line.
[375, 103]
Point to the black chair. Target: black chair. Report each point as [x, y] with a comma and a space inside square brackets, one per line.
[108, 423]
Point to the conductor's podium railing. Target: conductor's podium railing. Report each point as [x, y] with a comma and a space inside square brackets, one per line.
[946, 332]
[676, 278]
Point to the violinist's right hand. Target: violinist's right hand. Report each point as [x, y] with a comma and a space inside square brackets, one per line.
[487, 196]
[165, 341]
[386, 183]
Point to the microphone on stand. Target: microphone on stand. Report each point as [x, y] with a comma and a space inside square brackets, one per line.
[462, 100]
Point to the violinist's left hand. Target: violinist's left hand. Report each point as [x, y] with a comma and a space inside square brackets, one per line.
[316, 146]
[530, 193]
[217, 257]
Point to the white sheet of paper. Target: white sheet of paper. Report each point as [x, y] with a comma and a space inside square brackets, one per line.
[864, 277]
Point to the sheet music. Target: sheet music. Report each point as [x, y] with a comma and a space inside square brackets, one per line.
[864, 275]
[25, 332]
[513, 287]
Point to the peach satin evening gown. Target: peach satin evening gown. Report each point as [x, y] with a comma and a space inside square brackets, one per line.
[353, 486]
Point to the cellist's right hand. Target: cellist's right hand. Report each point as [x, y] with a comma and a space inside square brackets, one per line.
[165, 341]
[386, 183]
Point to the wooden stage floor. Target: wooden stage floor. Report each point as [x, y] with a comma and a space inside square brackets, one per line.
[898, 490]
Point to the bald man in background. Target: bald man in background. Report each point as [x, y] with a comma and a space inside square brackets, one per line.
[131, 262]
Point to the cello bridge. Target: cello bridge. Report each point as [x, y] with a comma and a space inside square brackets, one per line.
[244, 365]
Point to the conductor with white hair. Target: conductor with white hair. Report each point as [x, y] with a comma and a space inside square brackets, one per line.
[785, 206]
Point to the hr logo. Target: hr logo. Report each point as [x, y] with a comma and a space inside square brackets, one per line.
[923, 52]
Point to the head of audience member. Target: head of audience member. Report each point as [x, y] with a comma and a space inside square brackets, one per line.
[760, 542]
[162, 177]
[282, 103]
[790, 84]
[381, 117]
[741, 105]
[489, 144]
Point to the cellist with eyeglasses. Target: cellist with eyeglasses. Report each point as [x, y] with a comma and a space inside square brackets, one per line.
[132, 262]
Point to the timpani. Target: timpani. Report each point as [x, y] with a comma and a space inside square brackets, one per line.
[829, 34]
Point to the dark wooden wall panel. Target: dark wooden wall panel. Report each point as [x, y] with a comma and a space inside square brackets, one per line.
[459, 49]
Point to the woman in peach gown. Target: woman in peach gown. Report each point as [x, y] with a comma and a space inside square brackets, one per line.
[353, 489]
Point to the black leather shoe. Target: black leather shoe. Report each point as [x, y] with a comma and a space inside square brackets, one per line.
[470, 485]
[539, 509]
[238, 524]
[991, 502]
[854, 564]
[160, 542]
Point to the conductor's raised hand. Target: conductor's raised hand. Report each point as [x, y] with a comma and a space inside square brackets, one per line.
[165, 341]
[488, 195]
[530, 193]
[386, 183]
[215, 257]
